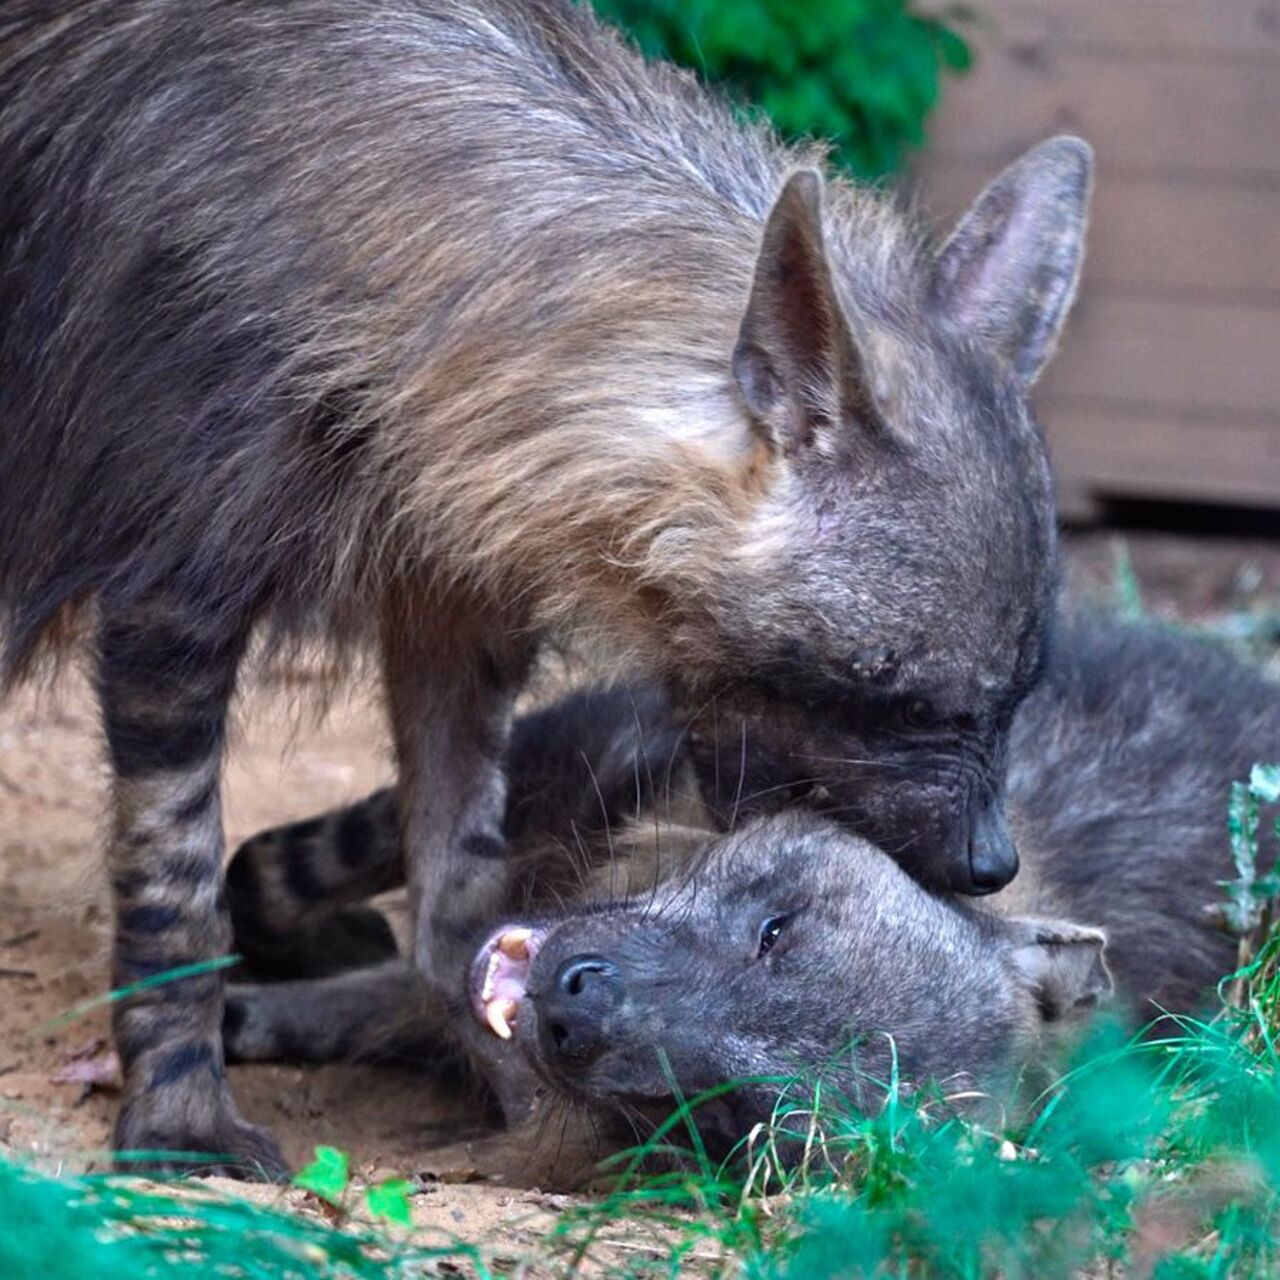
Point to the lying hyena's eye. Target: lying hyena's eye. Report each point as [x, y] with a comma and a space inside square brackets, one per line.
[770, 932]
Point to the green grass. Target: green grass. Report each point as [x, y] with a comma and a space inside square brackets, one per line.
[1179, 1133]
[113, 1228]
[1184, 1129]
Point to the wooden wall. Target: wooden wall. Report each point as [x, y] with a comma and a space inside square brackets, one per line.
[1167, 384]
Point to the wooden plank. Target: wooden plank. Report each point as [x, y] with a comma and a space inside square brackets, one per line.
[1222, 239]
[1185, 356]
[1109, 452]
[1248, 27]
[1168, 382]
[1144, 114]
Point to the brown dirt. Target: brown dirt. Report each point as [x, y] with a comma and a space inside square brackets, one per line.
[54, 919]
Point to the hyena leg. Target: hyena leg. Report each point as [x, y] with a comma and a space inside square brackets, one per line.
[288, 890]
[382, 1013]
[450, 699]
[164, 685]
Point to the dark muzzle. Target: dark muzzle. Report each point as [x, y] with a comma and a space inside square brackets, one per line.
[574, 1015]
[993, 857]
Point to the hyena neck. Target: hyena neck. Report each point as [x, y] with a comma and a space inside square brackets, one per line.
[558, 321]
[597, 488]
[607, 469]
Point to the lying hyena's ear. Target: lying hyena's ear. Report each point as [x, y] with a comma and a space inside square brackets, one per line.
[1062, 964]
[796, 361]
[1008, 273]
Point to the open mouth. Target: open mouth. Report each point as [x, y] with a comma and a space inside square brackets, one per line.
[500, 976]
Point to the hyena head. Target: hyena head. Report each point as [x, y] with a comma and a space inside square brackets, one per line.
[789, 947]
[892, 591]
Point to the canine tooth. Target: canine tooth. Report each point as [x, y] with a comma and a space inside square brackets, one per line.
[500, 1014]
[515, 943]
[491, 973]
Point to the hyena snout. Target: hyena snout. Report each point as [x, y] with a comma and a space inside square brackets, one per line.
[937, 810]
[992, 855]
[957, 841]
[576, 1013]
[972, 851]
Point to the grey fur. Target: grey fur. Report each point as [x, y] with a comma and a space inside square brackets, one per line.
[411, 322]
[1122, 762]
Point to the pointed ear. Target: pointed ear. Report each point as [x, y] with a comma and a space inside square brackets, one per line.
[1062, 964]
[796, 362]
[1008, 274]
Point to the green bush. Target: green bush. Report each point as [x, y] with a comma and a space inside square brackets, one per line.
[862, 73]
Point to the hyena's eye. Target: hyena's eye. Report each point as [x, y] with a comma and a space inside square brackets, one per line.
[922, 714]
[770, 932]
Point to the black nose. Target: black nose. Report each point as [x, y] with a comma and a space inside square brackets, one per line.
[573, 1017]
[993, 857]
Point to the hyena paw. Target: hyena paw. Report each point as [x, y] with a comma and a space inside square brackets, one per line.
[229, 1148]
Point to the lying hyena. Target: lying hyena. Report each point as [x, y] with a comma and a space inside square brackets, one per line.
[451, 325]
[772, 948]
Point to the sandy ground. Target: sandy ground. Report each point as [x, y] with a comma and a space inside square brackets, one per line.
[54, 920]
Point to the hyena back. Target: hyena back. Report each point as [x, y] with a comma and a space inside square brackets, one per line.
[447, 325]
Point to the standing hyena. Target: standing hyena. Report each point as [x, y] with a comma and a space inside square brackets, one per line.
[449, 324]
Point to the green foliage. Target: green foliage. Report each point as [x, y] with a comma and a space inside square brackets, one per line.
[1250, 907]
[328, 1176]
[1251, 893]
[389, 1202]
[1157, 1155]
[862, 73]
[1173, 1137]
[1126, 589]
[144, 984]
[109, 1228]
